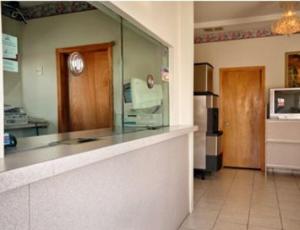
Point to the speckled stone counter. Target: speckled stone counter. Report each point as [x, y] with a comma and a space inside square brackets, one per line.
[41, 161]
[136, 180]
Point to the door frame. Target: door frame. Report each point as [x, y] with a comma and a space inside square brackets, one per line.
[263, 106]
[62, 81]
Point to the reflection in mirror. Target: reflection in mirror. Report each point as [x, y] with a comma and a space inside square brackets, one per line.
[37, 79]
[103, 86]
[145, 98]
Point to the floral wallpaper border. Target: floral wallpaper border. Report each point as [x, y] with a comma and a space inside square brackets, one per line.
[233, 35]
[51, 9]
[56, 8]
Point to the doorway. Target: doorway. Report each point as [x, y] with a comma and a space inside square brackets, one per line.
[85, 100]
[242, 117]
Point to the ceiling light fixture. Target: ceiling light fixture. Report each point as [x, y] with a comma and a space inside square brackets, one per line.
[289, 23]
[76, 63]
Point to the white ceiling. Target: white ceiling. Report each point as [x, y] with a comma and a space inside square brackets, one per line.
[212, 11]
[236, 15]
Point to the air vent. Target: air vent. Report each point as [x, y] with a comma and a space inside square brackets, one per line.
[208, 29]
[218, 28]
[213, 29]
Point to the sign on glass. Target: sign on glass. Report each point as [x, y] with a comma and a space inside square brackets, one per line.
[10, 46]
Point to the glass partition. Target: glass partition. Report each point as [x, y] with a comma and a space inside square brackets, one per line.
[120, 78]
[145, 79]
[33, 94]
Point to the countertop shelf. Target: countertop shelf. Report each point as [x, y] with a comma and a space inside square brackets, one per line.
[39, 161]
[26, 126]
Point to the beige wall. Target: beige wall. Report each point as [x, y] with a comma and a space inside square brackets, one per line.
[268, 52]
[13, 81]
[40, 39]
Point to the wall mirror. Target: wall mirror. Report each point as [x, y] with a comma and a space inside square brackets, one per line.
[43, 96]
[292, 69]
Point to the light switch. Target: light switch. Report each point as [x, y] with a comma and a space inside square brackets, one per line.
[39, 70]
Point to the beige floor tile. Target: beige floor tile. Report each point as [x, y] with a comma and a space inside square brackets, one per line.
[229, 195]
[209, 205]
[286, 185]
[205, 213]
[239, 200]
[265, 221]
[289, 197]
[264, 188]
[209, 199]
[221, 225]
[183, 228]
[234, 217]
[259, 228]
[293, 214]
[237, 208]
[200, 190]
[264, 192]
[291, 224]
[290, 205]
[264, 202]
[257, 211]
[196, 201]
[290, 190]
[200, 184]
[236, 195]
[210, 196]
[200, 222]
[283, 177]
[198, 193]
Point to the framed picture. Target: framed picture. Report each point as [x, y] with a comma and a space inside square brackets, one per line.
[292, 69]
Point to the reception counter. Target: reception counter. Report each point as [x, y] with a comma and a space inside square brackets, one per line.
[111, 180]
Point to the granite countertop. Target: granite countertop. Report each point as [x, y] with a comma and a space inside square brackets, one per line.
[41, 157]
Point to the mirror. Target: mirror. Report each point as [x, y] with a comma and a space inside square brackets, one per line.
[146, 90]
[104, 85]
[292, 66]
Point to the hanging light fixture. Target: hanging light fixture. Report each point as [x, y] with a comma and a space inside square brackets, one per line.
[289, 23]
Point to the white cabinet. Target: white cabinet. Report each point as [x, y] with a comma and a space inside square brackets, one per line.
[283, 144]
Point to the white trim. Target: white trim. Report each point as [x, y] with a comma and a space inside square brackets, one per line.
[283, 141]
[282, 166]
[191, 172]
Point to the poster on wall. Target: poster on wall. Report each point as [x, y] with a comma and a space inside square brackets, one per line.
[10, 65]
[292, 69]
[10, 46]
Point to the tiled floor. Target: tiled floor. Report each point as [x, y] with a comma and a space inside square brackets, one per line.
[244, 199]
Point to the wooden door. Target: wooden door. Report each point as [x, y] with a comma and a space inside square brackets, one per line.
[242, 116]
[85, 100]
